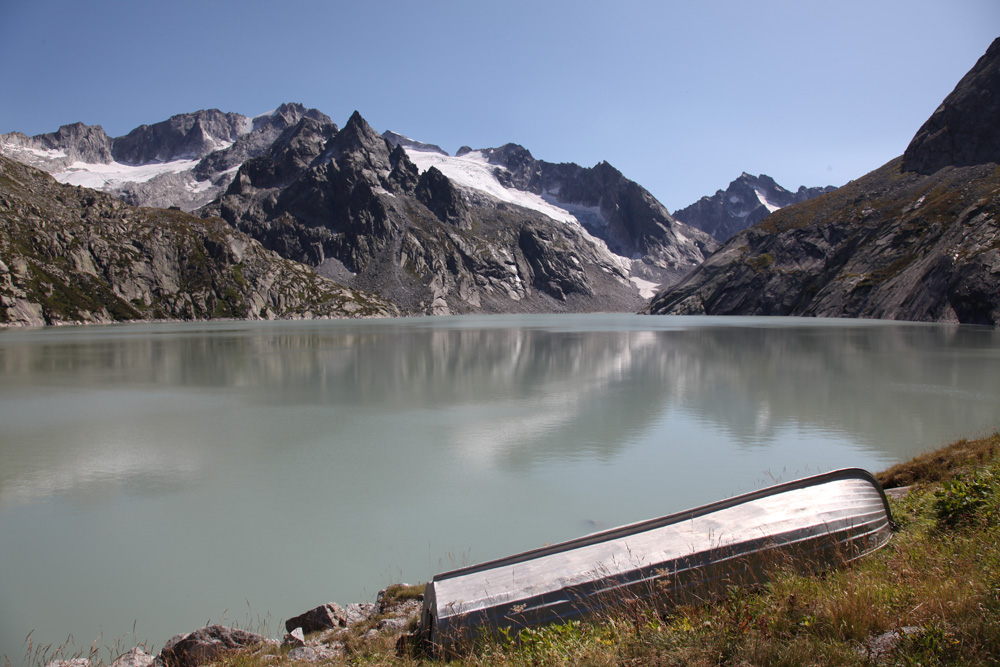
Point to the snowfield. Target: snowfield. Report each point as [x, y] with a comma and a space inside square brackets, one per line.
[102, 176]
[473, 171]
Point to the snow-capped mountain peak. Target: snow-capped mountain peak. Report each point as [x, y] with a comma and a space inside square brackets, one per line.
[747, 201]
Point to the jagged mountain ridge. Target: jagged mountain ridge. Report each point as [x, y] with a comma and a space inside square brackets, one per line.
[745, 202]
[357, 206]
[184, 161]
[69, 254]
[917, 239]
[609, 206]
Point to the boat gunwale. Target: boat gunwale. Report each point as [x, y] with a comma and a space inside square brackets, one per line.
[841, 474]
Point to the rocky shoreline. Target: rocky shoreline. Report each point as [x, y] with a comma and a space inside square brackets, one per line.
[321, 634]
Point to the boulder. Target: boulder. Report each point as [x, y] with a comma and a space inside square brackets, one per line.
[295, 638]
[135, 657]
[72, 662]
[358, 612]
[204, 645]
[324, 617]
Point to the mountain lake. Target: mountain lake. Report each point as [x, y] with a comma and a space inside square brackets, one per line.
[156, 477]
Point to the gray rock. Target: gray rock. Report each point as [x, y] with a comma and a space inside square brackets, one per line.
[204, 645]
[295, 638]
[358, 612]
[314, 654]
[397, 624]
[878, 649]
[323, 617]
[71, 662]
[135, 657]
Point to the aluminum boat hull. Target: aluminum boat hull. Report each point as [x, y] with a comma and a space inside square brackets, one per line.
[808, 525]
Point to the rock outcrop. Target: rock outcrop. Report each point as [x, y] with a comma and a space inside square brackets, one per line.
[748, 200]
[898, 243]
[323, 617]
[70, 254]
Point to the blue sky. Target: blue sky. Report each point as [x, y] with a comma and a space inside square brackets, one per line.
[681, 96]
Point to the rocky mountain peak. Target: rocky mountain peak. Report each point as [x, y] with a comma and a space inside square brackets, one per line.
[744, 203]
[520, 169]
[361, 148]
[72, 142]
[965, 129]
[290, 154]
[288, 114]
[184, 136]
[397, 139]
[438, 194]
[87, 143]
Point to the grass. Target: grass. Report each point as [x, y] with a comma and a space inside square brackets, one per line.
[930, 597]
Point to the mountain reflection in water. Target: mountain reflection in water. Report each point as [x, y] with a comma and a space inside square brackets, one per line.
[373, 451]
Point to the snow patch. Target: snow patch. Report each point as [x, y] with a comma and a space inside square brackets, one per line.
[589, 216]
[473, 171]
[647, 289]
[46, 153]
[771, 208]
[198, 187]
[105, 176]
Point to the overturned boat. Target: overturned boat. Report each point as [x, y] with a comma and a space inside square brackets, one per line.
[807, 525]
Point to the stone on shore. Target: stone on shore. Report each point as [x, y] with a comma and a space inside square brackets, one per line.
[325, 617]
[314, 654]
[294, 639]
[204, 645]
[358, 612]
[135, 657]
[72, 662]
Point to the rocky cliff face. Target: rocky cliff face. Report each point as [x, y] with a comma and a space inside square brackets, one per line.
[748, 200]
[898, 243]
[965, 130]
[70, 254]
[611, 207]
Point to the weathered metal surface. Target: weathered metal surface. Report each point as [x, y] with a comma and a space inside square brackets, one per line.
[806, 525]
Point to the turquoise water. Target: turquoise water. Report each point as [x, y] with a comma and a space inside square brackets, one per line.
[160, 476]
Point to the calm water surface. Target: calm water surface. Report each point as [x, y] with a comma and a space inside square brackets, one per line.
[162, 476]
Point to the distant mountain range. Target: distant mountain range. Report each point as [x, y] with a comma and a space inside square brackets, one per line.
[491, 230]
[917, 239]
